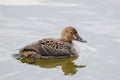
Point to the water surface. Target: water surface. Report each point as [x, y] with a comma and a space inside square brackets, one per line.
[97, 21]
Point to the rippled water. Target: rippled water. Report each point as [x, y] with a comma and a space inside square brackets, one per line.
[26, 21]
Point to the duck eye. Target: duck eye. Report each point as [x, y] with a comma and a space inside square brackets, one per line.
[71, 32]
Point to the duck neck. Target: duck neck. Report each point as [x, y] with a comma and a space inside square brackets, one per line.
[66, 40]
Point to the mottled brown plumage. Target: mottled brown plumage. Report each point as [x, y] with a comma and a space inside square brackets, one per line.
[51, 48]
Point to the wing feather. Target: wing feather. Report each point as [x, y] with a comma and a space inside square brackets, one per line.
[53, 47]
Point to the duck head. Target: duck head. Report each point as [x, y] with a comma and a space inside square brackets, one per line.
[69, 33]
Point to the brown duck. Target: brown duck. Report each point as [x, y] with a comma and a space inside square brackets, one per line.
[52, 48]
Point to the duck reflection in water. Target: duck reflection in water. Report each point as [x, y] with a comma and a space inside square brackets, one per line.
[67, 65]
[53, 52]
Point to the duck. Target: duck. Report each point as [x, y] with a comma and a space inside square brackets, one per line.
[53, 48]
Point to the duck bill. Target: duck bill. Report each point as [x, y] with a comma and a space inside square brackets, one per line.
[78, 38]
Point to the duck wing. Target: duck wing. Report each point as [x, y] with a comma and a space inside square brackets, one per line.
[54, 47]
